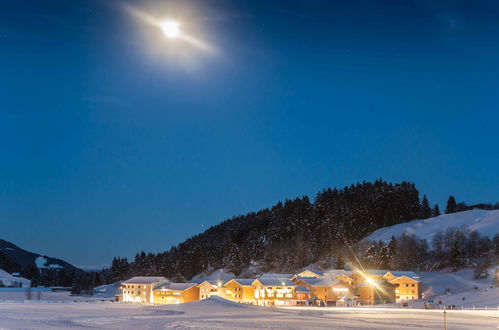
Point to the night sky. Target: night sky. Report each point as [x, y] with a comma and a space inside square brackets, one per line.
[115, 139]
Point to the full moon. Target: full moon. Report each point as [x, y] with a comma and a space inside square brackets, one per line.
[171, 29]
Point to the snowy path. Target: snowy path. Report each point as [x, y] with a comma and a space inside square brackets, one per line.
[216, 314]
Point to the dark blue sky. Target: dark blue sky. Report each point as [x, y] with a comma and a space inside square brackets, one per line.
[114, 139]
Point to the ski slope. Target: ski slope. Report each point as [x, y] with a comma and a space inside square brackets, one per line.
[482, 221]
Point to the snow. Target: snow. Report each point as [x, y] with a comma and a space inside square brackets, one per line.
[219, 275]
[108, 290]
[276, 281]
[175, 286]
[41, 262]
[18, 295]
[244, 281]
[144, 280]
[8, 280]
[482, 221]
[217, 313]
[273, 275]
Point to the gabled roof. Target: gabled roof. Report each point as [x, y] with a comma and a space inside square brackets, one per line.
[212, 283]
[336, 272]
[275, 281]
[399, 273]
[315, 271]
[273, 275]
[144, 280]
[308, 280]
[174, 286]
[398, 278]
[327, 282]
[242, 281]
[396, 273]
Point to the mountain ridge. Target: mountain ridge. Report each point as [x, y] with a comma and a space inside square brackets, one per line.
[25, 258]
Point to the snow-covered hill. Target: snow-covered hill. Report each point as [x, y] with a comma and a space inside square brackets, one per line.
[9, 280]
[482, 221]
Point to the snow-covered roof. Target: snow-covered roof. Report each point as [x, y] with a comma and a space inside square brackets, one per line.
[396, 273]
[410, 274]
[214, 283]
[276, 282]
[336, 272]
[302, 289]
[167, 285]
[321, 281]
[144, 280]
[243, 281]
[273, 275]
[308, 280]
[315, 271]
[327, 282]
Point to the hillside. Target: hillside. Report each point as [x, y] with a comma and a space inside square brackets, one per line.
[484, 222]
[284, 237]
[26, 259]
[7, 279]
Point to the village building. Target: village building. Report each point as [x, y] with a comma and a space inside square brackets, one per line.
[406, 288]
[140, 289]
[405, 283]
[167, 292]
[302, 295]
[239, 290]
[329, 291]
[274, 292]
[209, 289]
[331, 288]
[375, 292]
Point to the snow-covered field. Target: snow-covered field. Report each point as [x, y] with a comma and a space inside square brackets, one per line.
[18, 295]
[216, 313]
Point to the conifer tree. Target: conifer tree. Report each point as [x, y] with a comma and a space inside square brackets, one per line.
[451, 205]
[436, 211]
[425, 208]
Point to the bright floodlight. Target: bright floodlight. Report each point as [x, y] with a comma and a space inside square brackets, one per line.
[171, 29]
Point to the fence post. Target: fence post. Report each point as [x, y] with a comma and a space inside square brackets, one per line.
[445, 319]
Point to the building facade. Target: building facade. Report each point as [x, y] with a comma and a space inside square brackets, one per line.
[175, 293]
[140, 289]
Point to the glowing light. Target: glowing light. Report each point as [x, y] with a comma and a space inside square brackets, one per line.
[171, 29]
